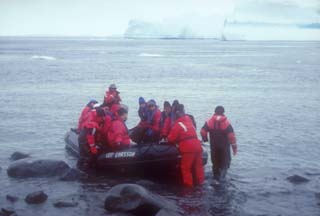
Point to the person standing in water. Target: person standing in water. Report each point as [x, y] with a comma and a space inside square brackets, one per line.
[184, 134]
[222, 137]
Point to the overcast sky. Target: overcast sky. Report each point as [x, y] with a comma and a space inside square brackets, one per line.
[110, 17]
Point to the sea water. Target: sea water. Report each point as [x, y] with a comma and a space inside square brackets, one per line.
[270, 91]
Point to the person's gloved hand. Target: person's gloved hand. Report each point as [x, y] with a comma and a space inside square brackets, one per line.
[234, 149]
[93, 150]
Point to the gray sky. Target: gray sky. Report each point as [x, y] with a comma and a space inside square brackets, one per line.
[110, 17]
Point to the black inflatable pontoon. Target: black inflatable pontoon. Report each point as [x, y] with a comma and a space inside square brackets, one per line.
[151, 157]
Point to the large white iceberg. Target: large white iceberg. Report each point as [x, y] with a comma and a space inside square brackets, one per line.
[188, 27]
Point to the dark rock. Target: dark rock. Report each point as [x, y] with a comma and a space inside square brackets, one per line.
[36, 197]
[7, 212]
[122, 214]
[65, 204]
[18, 155]
[37, 168]
[162, 212]
[136, 200]
[296, 179]
[72, 175]
[12, 198]
[145, 183]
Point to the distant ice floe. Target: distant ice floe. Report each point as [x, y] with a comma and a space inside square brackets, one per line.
[43, 57]
[150, 55]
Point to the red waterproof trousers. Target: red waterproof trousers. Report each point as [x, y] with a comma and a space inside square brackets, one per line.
[192, 169]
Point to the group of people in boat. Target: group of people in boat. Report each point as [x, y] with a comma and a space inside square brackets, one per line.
[102, 128]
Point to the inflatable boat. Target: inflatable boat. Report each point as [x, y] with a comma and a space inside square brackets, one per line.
[151, 158]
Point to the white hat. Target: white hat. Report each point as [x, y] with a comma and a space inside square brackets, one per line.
[96, 105]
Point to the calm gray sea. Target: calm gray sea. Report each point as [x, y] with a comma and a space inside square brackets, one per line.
[270, 90]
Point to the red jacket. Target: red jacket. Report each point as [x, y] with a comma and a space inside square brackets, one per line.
[85, 115]
[184, 133]
[118, 133]
[218, 122]
[166, 127]
[106, 126]
[112, 97]
[153, 123]
[94, 133]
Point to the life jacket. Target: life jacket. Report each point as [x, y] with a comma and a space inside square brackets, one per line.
[112, 97]
[85, 115]
[153, 120]
[218, 134]
[92, 132]
[108, 119]
[184, 133]
[220, 131]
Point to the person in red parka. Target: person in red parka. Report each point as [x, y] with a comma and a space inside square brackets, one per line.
[112, 96]
[169, 120]
[85, 114]
[118, 135]
[152, 133]
[221, 137]
[184, 133]
[165, 120]
[90, 137]
[148, 130]
[110, 115]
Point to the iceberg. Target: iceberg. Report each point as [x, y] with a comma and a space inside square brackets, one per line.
[142, 29]
[186, 27]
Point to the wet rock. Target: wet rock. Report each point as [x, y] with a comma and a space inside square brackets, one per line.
[12, 198]
[65, 204]
[122, 214]
[136, 200]
[37, 168]
[162, 212]
[36, 197]
[146, 183]
[18, 155]
[296, 179]
[72, 175]
[7, 212]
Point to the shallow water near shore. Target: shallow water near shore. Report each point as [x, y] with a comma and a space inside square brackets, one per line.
[270, 91]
